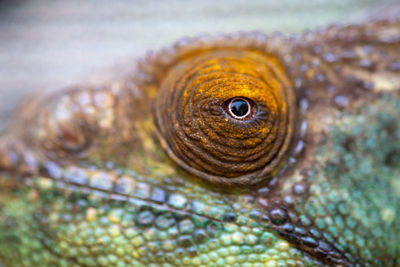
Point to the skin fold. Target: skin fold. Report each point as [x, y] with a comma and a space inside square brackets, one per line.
[152, 169]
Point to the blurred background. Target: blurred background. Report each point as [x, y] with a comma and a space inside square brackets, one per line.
[50, 44]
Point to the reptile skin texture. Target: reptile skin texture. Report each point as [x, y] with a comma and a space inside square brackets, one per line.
[228, 150]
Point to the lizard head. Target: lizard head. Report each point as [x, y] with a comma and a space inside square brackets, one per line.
[236, 150]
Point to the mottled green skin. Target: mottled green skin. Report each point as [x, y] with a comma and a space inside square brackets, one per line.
[354, 193]
[336, 203]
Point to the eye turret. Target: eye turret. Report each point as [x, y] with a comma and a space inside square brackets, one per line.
[226, 115]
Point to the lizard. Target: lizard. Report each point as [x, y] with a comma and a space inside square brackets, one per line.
[231, 150]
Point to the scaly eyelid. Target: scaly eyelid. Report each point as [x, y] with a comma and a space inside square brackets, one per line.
[213, 147]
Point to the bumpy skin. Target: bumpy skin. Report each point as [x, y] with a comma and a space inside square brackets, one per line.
[151, 170]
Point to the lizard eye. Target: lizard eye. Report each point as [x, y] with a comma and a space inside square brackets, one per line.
[240, 108]
[226, 115]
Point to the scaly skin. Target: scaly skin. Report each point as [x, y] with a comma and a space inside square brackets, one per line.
[151, 170]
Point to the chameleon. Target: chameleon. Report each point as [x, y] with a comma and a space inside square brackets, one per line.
[239, 149]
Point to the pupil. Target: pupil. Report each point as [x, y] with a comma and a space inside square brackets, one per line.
[239, 107]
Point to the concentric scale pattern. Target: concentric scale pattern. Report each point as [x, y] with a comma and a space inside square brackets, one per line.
[234, 150]
[197, 130]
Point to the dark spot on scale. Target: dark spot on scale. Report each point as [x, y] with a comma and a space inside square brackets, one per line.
[200, 236]
[309, 241]
[169, 257]
[230, 217]
[390, 127]
[355, 82]
[255, 214]
[184, 241]
[349, 144]
[213, 229]
[278, 216]
[265, 218]
[192, 252]
[392, 158]
[145, 218]
[180, 252]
